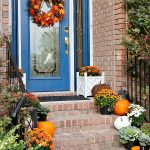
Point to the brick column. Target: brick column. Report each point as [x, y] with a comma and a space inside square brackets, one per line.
[5, 16]
[108, 53]
[4, 24]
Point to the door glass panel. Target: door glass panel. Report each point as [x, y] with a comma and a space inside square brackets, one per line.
[44, 51]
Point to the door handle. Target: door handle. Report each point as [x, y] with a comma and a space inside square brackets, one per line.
[67, 41]
[67, 45]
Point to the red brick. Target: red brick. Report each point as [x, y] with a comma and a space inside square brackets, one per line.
[76, 106]
[60, 107]
[74, 122]
[68, 123]
[81, 106]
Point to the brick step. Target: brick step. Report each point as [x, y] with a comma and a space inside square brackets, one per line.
[73, 124]
[82, 123]
[70, 108]
[63, 113]
[103, 139]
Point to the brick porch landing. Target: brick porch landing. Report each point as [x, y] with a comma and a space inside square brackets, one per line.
[81, 127]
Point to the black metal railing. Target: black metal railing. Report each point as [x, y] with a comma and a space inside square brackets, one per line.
[15, 77]
[138, 82]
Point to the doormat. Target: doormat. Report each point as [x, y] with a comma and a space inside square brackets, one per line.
[61, 98]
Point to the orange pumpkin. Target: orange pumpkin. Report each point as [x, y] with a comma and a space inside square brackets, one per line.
[135, 148]
[48, 126]
[121, 107]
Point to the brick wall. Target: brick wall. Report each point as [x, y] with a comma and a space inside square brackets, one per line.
[4, 28]
[4, 14]
[108, 27]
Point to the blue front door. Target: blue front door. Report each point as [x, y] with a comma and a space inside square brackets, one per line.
[44, 55]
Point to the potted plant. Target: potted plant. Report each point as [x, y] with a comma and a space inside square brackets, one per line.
[146, 128]
[129, 135]
[144, 141]
[105, 99]
[136, 115]
[39, 139]
[145, 138]
[87, 78]
[8, 136]
[42, 113]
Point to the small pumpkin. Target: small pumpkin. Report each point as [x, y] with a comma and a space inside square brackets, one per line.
[48, 126]
[121, 122]
[121, 107]
[135, 148]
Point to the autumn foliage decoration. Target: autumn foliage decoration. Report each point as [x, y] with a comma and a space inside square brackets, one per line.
[91, 71]
[46, 19]
[39, 138]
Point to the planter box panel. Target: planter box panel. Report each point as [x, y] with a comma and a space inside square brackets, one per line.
[86, 83]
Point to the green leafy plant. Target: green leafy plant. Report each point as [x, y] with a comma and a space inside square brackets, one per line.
[42, 110]
[4, 124]
[146, 128]
[137, 39]
[8, 138]
[129, 133]
[106, 97]
[144, 140]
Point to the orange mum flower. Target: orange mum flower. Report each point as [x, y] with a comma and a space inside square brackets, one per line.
[38, 137]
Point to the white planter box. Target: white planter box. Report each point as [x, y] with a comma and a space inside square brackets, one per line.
[86, 83]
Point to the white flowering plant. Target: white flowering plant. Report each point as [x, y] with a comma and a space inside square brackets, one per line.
[136, 115]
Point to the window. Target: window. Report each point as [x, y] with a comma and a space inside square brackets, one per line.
[82, 33]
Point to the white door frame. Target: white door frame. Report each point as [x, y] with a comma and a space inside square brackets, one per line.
[71, 39]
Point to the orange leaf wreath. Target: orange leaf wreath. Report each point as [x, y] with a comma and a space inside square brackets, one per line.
[46, 19]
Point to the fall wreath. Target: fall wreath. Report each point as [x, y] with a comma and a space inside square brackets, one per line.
[46, 19]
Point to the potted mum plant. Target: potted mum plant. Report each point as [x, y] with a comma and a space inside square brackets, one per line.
[87, 78]
[39, 139]
[136, 115]
[105, 99]
[129, 136]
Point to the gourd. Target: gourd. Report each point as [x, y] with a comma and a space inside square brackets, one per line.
[135, 148]
[121, 122]
[48, 126]
[121, 107]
